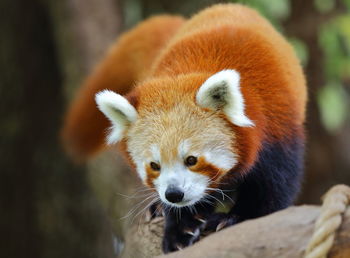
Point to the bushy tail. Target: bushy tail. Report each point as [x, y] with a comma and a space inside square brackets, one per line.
[128, 60]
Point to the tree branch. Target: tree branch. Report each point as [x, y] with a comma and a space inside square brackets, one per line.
[281, 234]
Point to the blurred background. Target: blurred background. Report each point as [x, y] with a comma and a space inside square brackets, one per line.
[53, 208]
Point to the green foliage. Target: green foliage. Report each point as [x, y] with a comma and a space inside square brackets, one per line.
[334, 39]
[274, 10]
[300, 49]
[347, 4]
[277, 11]
[335, 42]
[324, 6]
[132, 13]
[333, 106]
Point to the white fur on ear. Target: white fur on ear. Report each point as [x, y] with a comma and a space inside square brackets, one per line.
[118, 110]
[222, 91]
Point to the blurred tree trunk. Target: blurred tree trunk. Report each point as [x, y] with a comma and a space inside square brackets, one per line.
[84, 30]
[326, 162]
[48, 209]
[47, 206]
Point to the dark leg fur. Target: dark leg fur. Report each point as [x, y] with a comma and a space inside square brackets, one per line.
[183, 228]
[273, 183]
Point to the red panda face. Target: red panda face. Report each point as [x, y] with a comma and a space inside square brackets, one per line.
[180, 138]
[175, 150]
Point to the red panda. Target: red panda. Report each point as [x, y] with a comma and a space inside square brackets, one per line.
[198, 106]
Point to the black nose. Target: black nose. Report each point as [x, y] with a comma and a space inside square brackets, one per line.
[174, 194]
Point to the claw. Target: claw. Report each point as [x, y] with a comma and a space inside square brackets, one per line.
[148, 215]
[194, 233]
[189, 232]
[179, 247]
[200, 219]
[221, 225]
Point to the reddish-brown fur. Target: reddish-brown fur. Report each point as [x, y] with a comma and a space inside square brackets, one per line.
[151, 175]
[202, 166]
[186, 54]
[126, 61]
[207, 169]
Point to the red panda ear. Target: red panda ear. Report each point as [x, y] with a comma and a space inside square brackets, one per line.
[222, 91]
[118, 110]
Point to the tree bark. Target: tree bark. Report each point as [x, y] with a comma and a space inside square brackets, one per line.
[84, 30]
[281, 234]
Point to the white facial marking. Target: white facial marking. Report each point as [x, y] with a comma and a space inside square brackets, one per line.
[140, 168]
[184, 148]
[222, 91]
[155, 153]
[157, 133]
[118, 110]
[192, 184]
[221, 158]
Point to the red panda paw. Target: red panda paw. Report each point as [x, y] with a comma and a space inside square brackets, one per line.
[219, 221]
[182, 233]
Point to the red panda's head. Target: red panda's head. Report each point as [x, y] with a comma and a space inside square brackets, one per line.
[180, 135]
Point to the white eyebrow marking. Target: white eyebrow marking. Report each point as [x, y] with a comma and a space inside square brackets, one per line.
[140, 168]
[155, 153]
[184, 148]
[221, 158]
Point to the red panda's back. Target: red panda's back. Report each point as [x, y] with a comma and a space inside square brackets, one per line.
[232, 36]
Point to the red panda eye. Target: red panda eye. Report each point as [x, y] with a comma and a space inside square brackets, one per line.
[190, 161]
[154, 166]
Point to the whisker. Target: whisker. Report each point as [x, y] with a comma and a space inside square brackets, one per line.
[232, 190]
[138, 205]
[222, 193]
[190, 208]
[144, 209]
[158, 209]
[217, 190]
[134, 196]
[216, 199]
[218, 183]
[208, 201]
